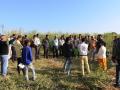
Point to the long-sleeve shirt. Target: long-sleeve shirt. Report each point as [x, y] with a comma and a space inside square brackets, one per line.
[27, 55]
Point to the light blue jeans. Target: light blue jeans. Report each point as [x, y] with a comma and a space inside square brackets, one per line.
[4, 64]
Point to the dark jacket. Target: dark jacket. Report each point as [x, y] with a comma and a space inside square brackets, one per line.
[67, 50]
[3, 48]
[116, 50]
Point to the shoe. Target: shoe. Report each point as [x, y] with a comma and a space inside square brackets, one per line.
[34, 78]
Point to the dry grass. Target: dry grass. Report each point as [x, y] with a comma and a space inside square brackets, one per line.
[50, 76]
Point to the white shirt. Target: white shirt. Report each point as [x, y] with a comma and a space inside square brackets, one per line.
[102, 52]
[61, 42]
[83, 48]
[37, 41]
[55, 42]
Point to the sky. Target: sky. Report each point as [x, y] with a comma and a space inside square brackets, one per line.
[72, 16]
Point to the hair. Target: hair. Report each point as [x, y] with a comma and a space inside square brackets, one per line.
[26, 42]
[83, 39]
[19, 36]
[37, 34]
[67, 39]
[25, 36]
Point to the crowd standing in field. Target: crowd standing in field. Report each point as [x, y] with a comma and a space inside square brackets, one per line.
[24, 50]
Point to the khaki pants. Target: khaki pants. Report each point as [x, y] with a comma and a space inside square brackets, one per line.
[84, 62]
[102, 63]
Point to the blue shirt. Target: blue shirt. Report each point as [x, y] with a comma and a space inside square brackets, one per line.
[27, 55]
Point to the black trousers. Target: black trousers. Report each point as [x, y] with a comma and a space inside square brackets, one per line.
[55, 51]
[37, 52]
[45, 51]
[61, 50]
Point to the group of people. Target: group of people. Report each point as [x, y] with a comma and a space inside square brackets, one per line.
[23, 50]
[89, 49]
[20, 48]
[11, 48]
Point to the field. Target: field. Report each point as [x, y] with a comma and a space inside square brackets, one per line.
[50, 76]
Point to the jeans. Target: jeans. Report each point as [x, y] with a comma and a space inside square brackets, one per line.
[118, 74]
[26, 71]
[4, 64]
[68, 65]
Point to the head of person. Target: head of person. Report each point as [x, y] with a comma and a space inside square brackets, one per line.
[19, 37]
[55, 37]
[25, 36]
[3, 38]
[83, 39]
[27, 43]
[99, 37]
[37, 35]
[92, 37]
[67, 40]
[47, 35]
[34, 36]
[75, 37]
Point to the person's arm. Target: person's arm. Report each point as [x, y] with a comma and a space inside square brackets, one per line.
[30, 52]
[23, 56]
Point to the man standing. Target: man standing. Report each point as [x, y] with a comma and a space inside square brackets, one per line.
[46, 46]
[37, 44]
[116, 59]
[55, 47]
[83, 50]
